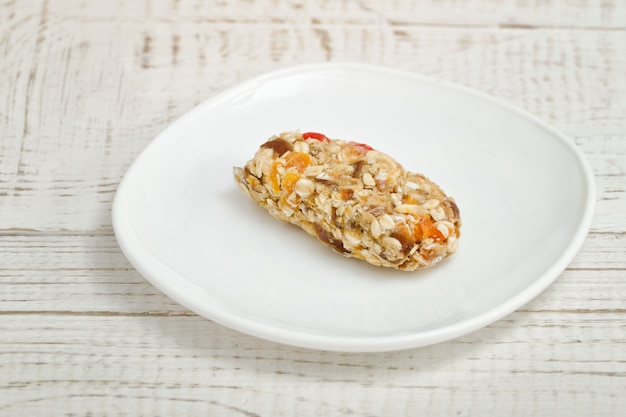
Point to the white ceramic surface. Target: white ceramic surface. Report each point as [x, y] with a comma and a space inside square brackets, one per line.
[525, 193]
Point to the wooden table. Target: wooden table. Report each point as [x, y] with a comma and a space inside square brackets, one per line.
[86, 85]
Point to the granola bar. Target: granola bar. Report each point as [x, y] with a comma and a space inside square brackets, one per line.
[359, 201]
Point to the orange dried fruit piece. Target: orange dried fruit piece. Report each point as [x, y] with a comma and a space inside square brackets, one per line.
[274, 177]
[289, 181]
[429, 229]
[299, 160]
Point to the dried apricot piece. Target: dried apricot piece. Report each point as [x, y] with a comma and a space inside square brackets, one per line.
[275, 177]
[429, 229]
[299, 160]
[289, 181]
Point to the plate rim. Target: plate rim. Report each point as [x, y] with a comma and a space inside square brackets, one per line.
[132, 250]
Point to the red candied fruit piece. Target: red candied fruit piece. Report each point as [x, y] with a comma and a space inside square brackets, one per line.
[316, 136]
[363, 147]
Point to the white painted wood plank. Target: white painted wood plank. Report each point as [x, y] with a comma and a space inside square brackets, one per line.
[506, 13]
[184, 365]
[75, 274]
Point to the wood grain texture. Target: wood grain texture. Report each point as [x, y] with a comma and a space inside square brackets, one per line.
[187, 365]
[85, 86]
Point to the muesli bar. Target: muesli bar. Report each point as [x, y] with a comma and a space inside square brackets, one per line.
[355, 199]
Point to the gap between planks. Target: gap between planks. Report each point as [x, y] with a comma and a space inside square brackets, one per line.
[21, 232]
[98, 313]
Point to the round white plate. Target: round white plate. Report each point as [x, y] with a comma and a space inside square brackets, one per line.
[525, 192]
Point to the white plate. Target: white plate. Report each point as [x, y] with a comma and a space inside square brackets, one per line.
[525, 193]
